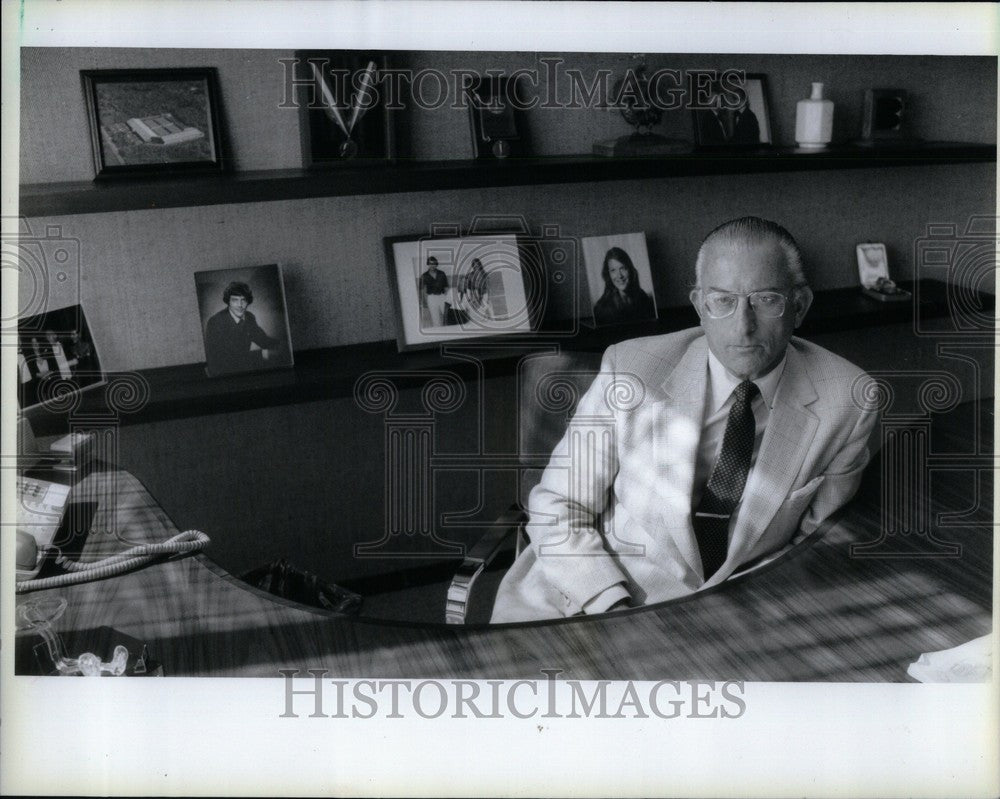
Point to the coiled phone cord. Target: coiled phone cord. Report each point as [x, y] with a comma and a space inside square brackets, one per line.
[188, 541]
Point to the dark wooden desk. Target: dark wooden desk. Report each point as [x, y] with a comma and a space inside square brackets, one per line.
[815, 614]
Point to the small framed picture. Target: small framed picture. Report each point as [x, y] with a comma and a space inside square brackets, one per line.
[619, 278]
[459, 288]
[492, 119]
[154, 121]
[56, 353]
[341, 97]
[884, 114]
[740, 116]
[244, 319]
[873, 273]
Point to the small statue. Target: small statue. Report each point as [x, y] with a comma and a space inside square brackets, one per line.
[635, 104]
[639, 112]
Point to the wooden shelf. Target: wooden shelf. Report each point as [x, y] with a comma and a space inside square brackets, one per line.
[184, 391]
[55, 199]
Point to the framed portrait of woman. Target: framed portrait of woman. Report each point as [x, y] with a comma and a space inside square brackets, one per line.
[619, 278]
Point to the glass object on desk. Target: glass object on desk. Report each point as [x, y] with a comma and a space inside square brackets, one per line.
[38, 615]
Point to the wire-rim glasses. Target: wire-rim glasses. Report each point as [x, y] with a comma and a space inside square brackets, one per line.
[765, 304]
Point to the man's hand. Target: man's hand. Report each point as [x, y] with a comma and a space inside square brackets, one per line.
[621, 604]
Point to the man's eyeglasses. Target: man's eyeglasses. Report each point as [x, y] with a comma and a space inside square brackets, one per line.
[766, 304]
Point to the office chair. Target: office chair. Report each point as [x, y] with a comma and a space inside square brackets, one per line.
[550, 386]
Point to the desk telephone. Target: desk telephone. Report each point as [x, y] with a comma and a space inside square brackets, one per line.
[44, 497]
[41, 508]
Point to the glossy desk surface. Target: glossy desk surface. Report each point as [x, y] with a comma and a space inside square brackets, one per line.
[817, 613]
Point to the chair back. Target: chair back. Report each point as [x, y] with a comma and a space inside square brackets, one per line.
[550, 388]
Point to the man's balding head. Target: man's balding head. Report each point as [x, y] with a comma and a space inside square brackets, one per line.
[749, 231]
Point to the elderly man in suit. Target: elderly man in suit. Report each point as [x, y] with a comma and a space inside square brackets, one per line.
[697, 454]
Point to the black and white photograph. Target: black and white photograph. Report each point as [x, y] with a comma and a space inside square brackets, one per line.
[620, 279]
[455, 289]
[55, 353]
[238, 339]
[737, 115]
[591, 475]
[153, 121]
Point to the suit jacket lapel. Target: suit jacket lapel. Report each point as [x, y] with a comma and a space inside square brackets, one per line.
[678, 431]
[787, 438]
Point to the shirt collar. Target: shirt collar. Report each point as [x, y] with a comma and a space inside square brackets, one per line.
[233, 316]
[721, 382]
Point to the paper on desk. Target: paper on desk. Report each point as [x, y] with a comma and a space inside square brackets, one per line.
[968, 662]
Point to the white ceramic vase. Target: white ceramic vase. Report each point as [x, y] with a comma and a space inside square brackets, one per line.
[814, 120]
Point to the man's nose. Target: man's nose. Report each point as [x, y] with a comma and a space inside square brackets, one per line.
[746, 318]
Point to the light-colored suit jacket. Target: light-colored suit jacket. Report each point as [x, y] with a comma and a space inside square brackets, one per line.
[614, 503]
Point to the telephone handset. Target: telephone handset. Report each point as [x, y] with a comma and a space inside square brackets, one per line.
[27, 555]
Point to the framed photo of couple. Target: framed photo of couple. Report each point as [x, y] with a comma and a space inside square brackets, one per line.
[459, 288]
[739, 117]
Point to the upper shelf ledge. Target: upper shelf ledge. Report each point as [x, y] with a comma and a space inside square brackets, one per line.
[86, 197]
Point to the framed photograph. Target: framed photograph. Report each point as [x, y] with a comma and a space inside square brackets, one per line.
[884, 114]
[458, 288]
[55, 352]
[344, 120]
[154, 121]
[492, 119]
[739, 117]
[873, 273]
[873, 263]
[619, 278]
[244, 319]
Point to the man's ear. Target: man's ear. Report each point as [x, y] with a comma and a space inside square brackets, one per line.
[802, 300]
[695, 297]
